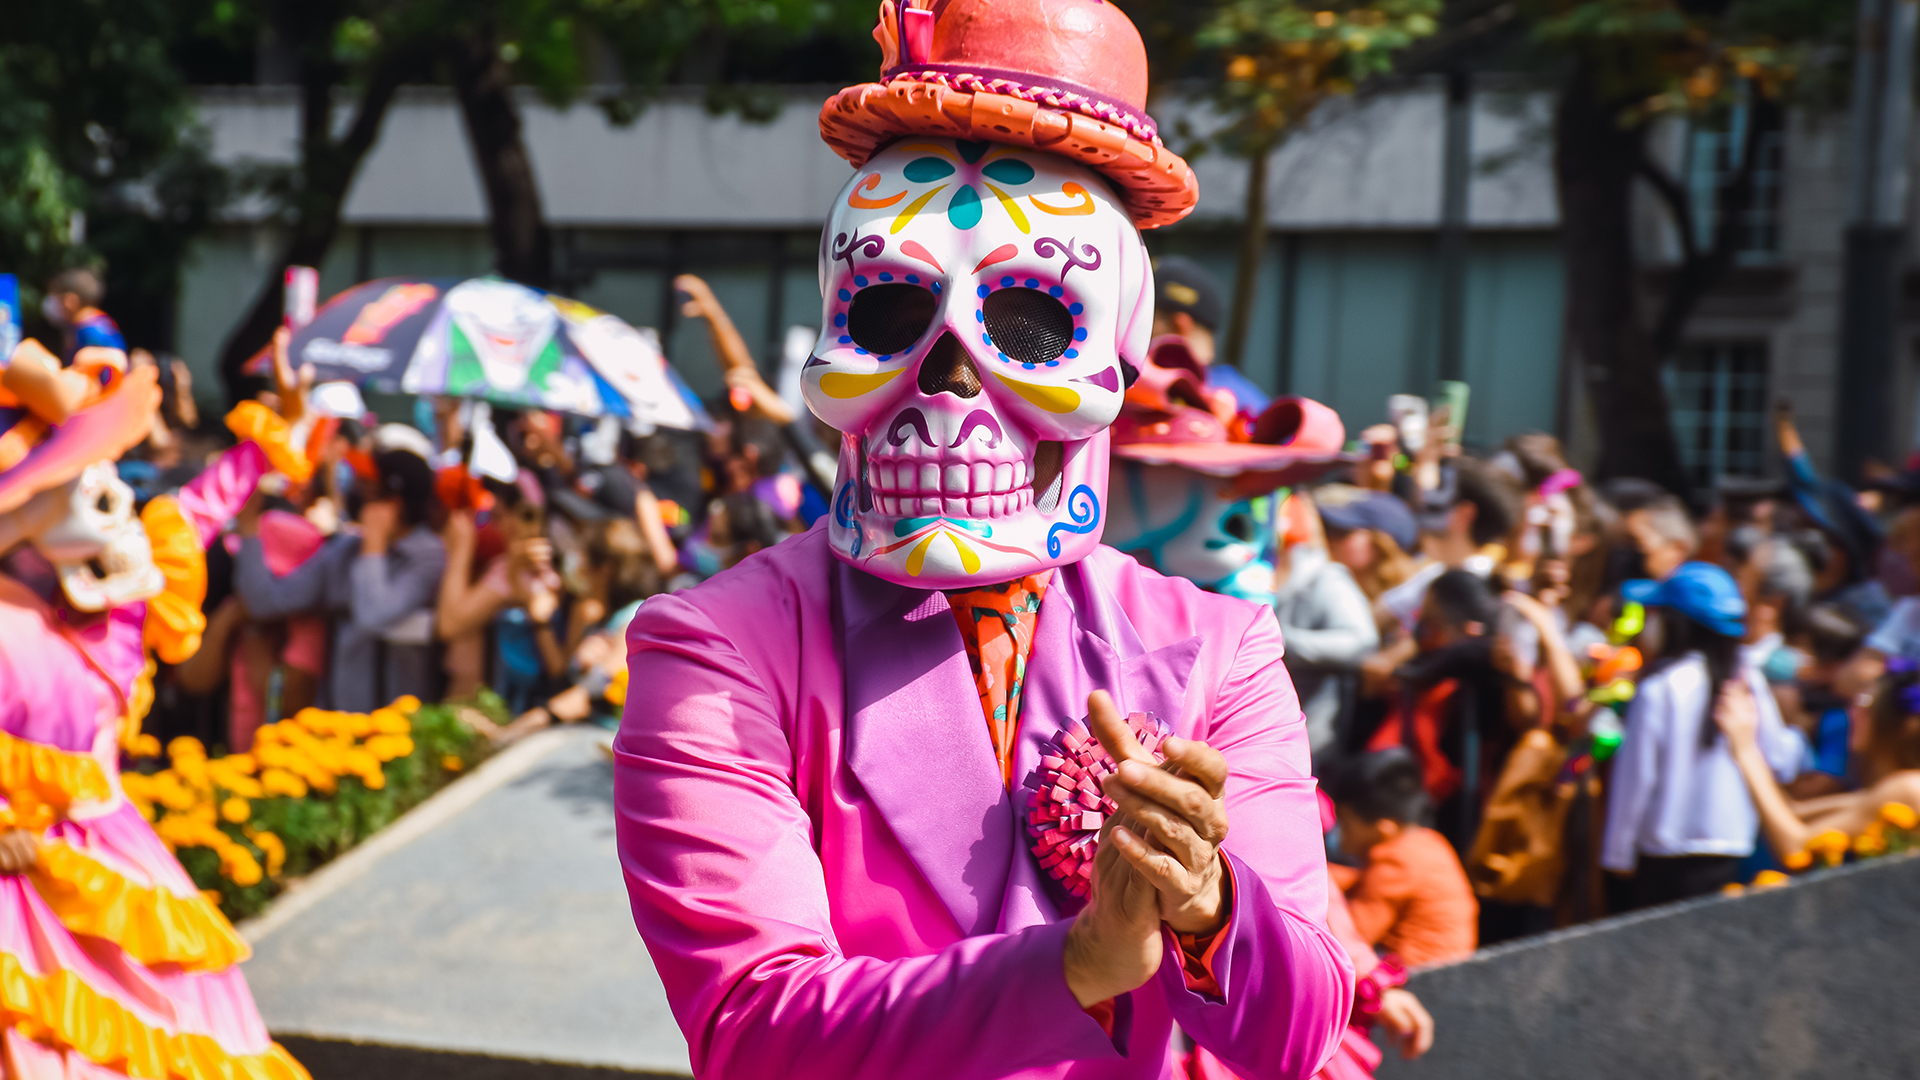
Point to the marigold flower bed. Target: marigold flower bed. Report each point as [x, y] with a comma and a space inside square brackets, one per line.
[1895, 832]
[313, 786]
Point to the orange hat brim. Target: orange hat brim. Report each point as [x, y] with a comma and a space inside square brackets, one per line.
[102, 431]
[1157, 185]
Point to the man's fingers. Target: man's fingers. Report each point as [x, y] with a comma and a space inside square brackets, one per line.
[1199, 762]
[1171, 832]
[1166, 874]
[1176, 794]
[1103, 716]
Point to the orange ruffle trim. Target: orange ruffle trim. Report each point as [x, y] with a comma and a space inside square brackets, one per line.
[64, 1012]
[271, 433]
[40, 782]
[152, 925]
[174, 621]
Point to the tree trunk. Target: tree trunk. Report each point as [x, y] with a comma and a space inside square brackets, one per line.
[522, 245]
[327, 169]
[1595, 161]
[1253, 245]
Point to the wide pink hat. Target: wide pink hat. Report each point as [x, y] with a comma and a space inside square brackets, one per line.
[1170, 418]
[1065, 76]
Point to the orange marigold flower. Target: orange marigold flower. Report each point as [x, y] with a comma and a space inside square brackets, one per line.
[452, 762]
[236, 810]
[1769, 879]
[1799, 860]
[1899, 815]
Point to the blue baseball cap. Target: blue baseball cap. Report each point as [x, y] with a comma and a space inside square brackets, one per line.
[1701, 591]
[1346, 508]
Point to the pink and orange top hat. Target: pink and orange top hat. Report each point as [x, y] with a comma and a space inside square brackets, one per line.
[1068, 77]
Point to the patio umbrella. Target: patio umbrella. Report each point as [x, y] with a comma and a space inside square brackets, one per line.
[498, 341]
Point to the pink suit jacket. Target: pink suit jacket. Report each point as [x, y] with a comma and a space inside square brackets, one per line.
[833, 882]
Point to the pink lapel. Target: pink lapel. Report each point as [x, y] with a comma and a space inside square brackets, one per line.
[916, 741]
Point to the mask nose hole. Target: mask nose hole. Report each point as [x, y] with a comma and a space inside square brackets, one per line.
[948, 369]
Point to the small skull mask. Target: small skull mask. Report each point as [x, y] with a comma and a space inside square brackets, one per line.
[1187, 525]
[981, 305]
[98, 547]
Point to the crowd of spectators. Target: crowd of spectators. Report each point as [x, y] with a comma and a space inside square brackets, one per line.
[473, 549]
[1532, 700]
[1602, 697]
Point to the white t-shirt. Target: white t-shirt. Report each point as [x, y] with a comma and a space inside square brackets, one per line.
[1672, 796]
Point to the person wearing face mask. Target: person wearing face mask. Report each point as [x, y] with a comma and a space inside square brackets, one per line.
[116, 963]
[378, 581]
[942, 786]
[1186, 309]
[73, 305]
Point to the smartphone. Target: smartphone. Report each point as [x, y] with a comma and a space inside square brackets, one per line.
[1408, 414]
[301, 295]
[1453, 395]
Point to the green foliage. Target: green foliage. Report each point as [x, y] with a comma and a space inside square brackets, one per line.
[95, 120]
[1654, 56]
[1278, 59]
[317, 828]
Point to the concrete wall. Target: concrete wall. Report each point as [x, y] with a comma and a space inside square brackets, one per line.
[1817, 979]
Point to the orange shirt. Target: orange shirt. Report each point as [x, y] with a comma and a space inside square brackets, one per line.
[1412, 898]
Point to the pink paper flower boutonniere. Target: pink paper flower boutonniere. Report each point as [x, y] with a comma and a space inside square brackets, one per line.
[1066, 814]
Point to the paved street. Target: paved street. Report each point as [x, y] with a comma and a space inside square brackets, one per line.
[502, 929]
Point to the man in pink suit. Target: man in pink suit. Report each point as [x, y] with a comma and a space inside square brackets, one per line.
[865, 827]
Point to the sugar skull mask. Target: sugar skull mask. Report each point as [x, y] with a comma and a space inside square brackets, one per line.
[86, 529]
[1187, 525]
[980, 301]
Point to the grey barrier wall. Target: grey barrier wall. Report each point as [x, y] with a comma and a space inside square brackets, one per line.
[1820, 978]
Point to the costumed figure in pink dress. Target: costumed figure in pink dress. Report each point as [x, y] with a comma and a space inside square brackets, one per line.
[941, 788]
[1192, 472]
[112, 963]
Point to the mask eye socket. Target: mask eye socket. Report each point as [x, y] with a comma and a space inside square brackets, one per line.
[1028, 325]
[1239, 526]
[888, 319]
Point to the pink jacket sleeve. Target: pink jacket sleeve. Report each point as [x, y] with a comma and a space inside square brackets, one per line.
[211, 499]
[1286, 983]
[733, 904]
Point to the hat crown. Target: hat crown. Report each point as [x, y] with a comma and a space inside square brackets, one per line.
[1076, 45]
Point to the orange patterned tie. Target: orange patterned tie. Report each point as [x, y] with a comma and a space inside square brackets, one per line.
[996, 623]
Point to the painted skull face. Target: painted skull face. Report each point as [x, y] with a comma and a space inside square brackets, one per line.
[1184, 524]
[99, 548]
[979, 300]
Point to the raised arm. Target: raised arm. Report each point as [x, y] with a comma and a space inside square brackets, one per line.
[464, 606]
[736, 363]
[1738, 715]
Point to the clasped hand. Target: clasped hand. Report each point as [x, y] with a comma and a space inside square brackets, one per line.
[1158, 859]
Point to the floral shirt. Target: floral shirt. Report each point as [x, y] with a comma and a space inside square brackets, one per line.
[996, 623]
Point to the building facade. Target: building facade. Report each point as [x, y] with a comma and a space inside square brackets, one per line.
[1347, 301]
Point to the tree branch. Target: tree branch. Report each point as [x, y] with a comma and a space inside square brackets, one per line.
[1671, 193]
